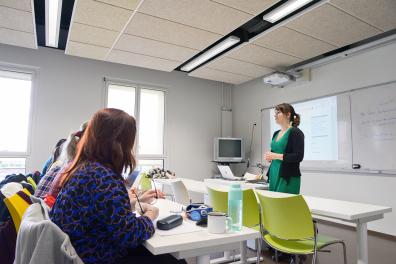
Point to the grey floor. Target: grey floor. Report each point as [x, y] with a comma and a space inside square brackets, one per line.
[381, 248]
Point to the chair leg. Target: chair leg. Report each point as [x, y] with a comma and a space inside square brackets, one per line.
[276, 256]
[344, 251]
[258, 249]
[314, 257]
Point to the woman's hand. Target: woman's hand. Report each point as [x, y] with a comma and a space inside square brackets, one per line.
[132, 197]
[150, 211]
[149, 196]
[270, 156]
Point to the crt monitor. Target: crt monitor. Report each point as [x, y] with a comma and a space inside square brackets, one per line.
[229, 149]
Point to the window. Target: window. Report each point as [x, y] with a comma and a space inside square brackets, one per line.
[147, 105]
[122, 97]
[10, 166]
[15, 105]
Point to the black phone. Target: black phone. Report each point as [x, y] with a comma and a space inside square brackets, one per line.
[169, 222]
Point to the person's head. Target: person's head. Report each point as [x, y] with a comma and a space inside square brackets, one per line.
[57, 149]
[285, 114]
[69, 147]
[108, 139]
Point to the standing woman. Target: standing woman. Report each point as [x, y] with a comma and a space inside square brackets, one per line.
[287, 151]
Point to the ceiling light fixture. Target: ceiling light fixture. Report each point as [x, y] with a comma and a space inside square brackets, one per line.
[284, 10]
[53, 10]
[222, 46]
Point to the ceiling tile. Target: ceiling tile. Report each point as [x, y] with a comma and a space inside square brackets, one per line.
[220, 76]
[92, 35]
[332, 25]
[203, 14]
[18, 38]
[167, 31]
[253, 7]
[128, 4]
[101, 15]
[154, 48]
[86, 50]
[143, 61]
[18, 4]
[16, 19]
[239, 67]
[379, 13]
[293, 43]
[262, 56]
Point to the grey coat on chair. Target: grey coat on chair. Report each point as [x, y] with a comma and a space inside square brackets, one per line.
[41, 241]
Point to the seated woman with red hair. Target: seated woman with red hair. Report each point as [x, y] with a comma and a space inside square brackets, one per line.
[93, 206]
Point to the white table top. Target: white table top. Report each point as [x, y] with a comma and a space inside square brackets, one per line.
[200, 186]
[192, 241]
[244, 185]
[344, 210]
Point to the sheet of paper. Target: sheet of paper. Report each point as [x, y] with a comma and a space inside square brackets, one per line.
[184, 228]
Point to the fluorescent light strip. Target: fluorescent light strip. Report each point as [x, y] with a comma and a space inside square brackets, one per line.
[225, 44]
[53, 9]
[284, 10]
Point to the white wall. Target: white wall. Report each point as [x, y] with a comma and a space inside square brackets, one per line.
[68, 90]
[368, 68]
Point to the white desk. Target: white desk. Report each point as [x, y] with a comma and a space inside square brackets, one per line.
[244, 185]
[350, 212]
[347, 212]
[197, 244]
[200, 186]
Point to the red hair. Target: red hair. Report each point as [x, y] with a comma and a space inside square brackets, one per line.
[108, 139]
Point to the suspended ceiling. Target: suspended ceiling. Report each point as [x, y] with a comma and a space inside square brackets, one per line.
[163, 34]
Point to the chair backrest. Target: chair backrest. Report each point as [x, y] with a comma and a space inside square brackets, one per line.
[218, 200]
[17, 205]
[250, 208]
[145, 183]
[180, 192]
[286, 217]
[41, 241]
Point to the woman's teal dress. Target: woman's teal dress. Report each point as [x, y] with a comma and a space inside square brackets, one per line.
[276, 182]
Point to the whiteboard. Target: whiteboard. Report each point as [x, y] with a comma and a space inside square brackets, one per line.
[374, 127]
[366, 126]
[309, 110]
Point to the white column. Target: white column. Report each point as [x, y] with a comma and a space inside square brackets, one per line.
[362, 251]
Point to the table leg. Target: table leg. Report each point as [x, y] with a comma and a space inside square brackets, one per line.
[205, 259]
[243, 251]
[362, 251]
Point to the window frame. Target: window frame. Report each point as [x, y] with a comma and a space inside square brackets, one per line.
[32, 71]
[138, 87]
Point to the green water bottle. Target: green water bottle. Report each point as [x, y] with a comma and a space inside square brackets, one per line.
[235, 207]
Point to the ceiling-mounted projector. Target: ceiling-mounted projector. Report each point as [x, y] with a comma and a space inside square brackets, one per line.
[279, 78]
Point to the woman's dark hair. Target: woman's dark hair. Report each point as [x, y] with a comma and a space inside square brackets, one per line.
[57, 150]
[108, 139]
[285, 109]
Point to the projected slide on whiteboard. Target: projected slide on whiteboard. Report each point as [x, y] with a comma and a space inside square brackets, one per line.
[319, 124]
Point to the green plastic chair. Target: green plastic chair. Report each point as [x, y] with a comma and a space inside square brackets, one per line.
[145, 183]
[288, 227]
[250, 211]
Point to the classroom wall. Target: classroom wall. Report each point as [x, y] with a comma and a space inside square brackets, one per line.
[367, 68]
[68, 90]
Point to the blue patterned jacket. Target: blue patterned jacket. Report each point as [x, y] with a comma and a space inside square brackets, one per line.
[93, 208]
